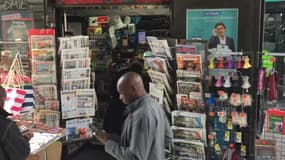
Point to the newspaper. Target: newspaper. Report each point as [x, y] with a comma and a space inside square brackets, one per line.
[78, 103]
[76, 63]
[188, 119]
[86, 99]
[68, 104]
[160, 48]
[188, 150]
[188, 87]
[196, 134]
[76, 74]
[160, 78]
[78, 128]
[158, 64]
[75, 84]
[74, 53]
[156, 91]
[192, 102]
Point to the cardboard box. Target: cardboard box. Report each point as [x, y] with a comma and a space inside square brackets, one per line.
[52, 152]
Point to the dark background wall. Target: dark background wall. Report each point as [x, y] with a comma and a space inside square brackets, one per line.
[250, 19]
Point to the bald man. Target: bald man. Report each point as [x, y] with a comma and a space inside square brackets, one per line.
[13, 145]
[146, 130]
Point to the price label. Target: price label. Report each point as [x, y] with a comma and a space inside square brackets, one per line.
[238, 137]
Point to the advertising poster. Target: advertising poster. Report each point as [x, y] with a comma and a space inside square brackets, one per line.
[211, 24]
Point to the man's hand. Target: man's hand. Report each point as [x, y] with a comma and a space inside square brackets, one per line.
[28, 135]
[102, 136]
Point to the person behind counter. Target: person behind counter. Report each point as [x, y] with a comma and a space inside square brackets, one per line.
[14, 145]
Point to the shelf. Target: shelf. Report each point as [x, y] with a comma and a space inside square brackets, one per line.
[10, 42]
[124, 12]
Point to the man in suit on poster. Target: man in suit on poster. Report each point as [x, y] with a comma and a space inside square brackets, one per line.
[220, 38]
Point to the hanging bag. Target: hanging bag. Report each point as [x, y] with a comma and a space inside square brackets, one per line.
[13, 85]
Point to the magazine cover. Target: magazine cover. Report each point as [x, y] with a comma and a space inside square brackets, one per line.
[76, 63]
[188, 87]
[74, 53]
[78, 128]
[190, 134]
[44, 79]
[189, 62]
[186, 49]
[86, 99]
[156, 91]
[68, 104]
[43, 54]
[160, 78]
[190, 104]
[188, 119]
[158, 64]
[75, 84]
[42, 41]
[160, 48]
[188, 150]
[76, 74]
[44, 93]
[213, 25]
[43, 67]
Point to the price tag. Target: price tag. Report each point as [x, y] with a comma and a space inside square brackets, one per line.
[217, 147]
[243, 150]
[238, 137]
[227, 136]
[230, 124]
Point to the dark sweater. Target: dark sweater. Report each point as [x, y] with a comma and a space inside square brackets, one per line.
[14, 146]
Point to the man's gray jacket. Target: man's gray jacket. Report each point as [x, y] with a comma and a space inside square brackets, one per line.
[146, 131]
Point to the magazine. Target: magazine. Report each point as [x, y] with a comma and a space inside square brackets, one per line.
[189, 63]
[188, 87]
[43, 67]
[76, 63]
[156, 91]
[68, 104]
[44, 79]
[45, 92]
[160, 78]
[42, 42]
[189, 150]
[190, 103]
[195, 134]
[187, 75]
[43, 54]
[158, 64]
[188, 119]
[160, 48]
[78, 128]
[186, 49]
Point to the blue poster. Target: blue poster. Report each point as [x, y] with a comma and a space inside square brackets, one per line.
[213, 25]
